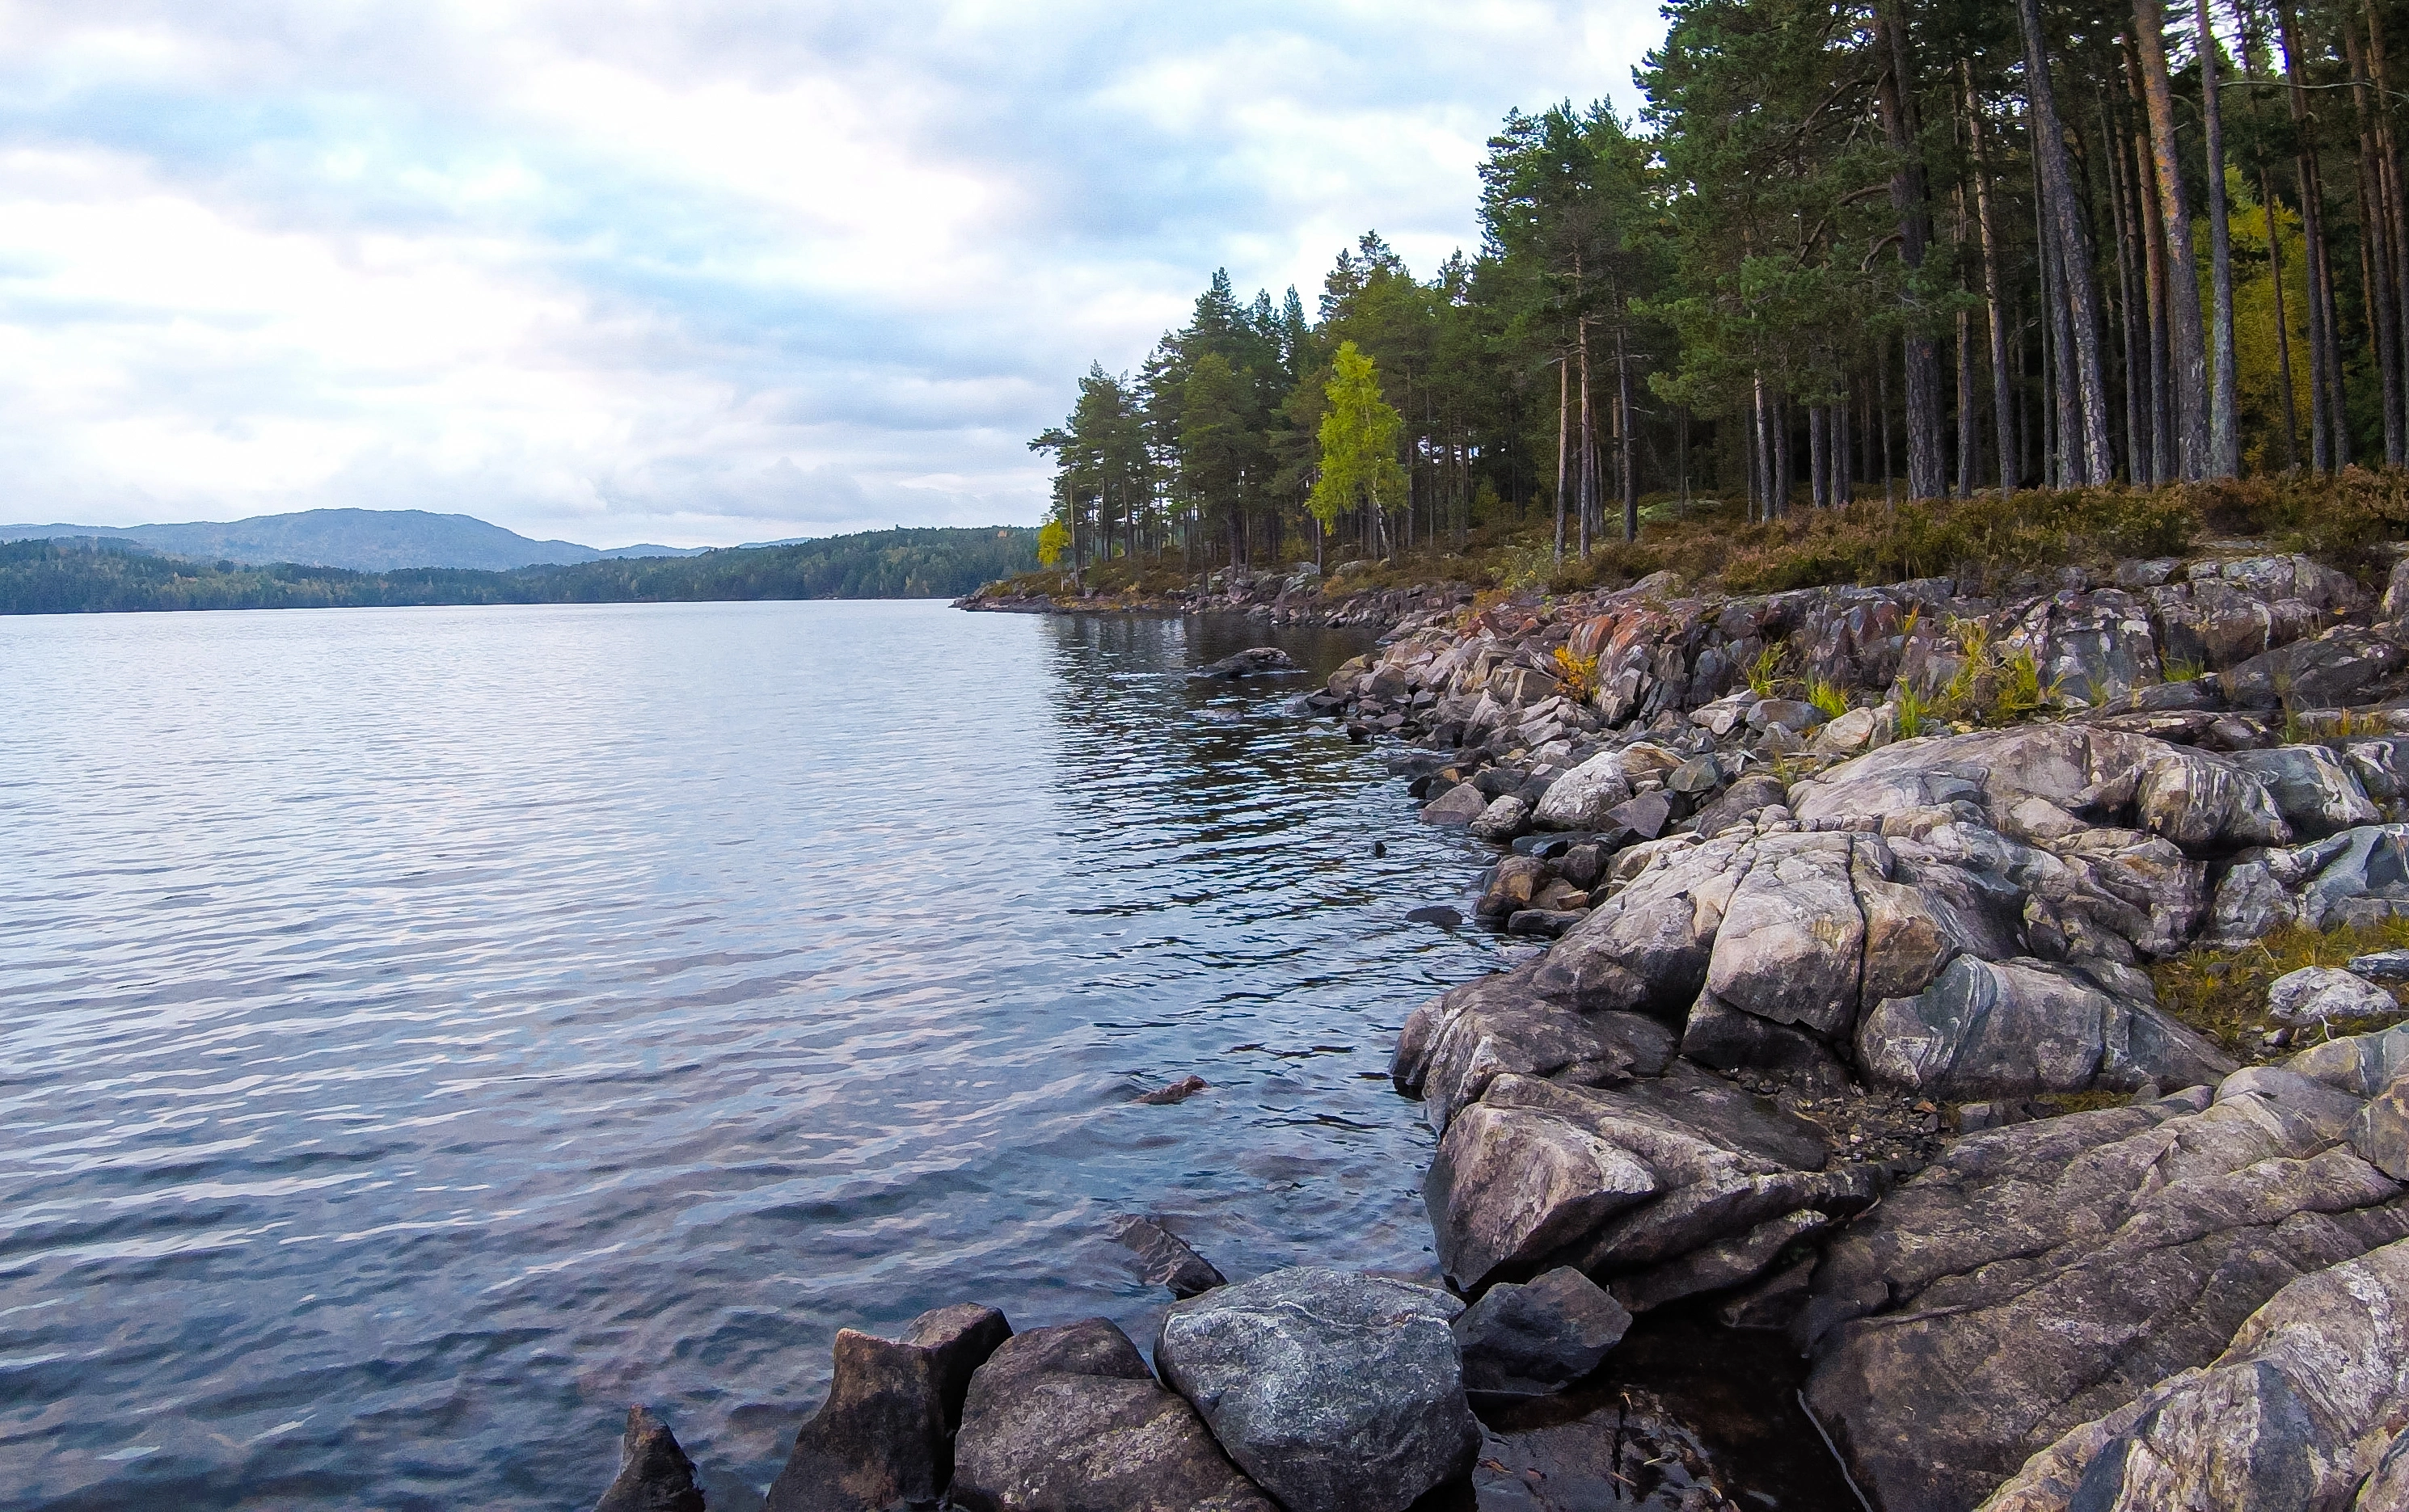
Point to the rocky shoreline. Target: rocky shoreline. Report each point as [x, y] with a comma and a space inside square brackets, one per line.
[1298, 593]
[1846, 1030]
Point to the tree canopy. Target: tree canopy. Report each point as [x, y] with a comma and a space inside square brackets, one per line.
[1847, 247]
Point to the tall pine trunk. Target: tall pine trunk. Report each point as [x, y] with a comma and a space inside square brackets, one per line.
[1925, 466]
[2223, 394]
[2063, 217]
[2328, 439]
[1623, 424]
[2003, 421]
[2375, 249]
[1563, 422]
[2186, 347]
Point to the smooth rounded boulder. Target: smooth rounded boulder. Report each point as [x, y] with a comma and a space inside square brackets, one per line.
[1335, 1393]
[1069, 1419]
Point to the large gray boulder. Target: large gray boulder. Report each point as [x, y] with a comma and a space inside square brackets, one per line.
[2358, 877]
[885, 1436]
[1335, 1393]
[2040, 1276]
[2326, 994]
[2093, 646]
[1455, 1045]
[2298, 1412]
[2322, 672]
[1989, 1029]
[655, 1474]
[2316, 791]
[2106, 778]
[1582, 798]
[1530, 1340]
[1622, 1181]
[1069, 1419]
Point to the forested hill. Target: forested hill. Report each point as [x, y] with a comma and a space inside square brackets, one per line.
[82, 576]
[1892, 250]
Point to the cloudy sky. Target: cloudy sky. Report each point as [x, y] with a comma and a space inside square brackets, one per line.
[694, 271]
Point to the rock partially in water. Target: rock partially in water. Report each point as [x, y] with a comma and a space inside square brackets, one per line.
[1249, 663]
[1179, 1091]
[1337, 1392]
[1165, 1259]
[1457, 807]
[1531, 1340]
[885, 1436]
[2038, 1276]
[655, 1474]
[1502, 820]
[2302, 1408]
[1069, 1419]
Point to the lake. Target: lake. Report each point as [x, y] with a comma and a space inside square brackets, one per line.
[425, 1032]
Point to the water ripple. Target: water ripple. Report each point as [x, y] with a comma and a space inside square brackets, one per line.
[424, 1032]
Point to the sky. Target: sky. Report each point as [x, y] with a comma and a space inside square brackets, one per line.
[689, 271]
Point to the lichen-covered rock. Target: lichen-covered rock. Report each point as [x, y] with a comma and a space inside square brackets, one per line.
[1582, 798]
[1502, 820]
[2041, 1275]
[1645, 949]
[1335, 1393]
[885, 1436]
[655, 1474]
[2326, 994]
[1791, 945]
[2092, 646]
[2296, 1414]
[1069, 1419]
[1528, 1340]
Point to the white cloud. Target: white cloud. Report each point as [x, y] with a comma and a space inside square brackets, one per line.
[700, 273]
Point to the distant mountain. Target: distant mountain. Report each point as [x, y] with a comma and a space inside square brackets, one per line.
[364, 541]
[91, 574]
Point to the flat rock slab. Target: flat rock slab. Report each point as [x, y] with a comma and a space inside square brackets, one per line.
[2041, 1275]
[1069, 1419]
[1335, 1393]
[2300, 1411]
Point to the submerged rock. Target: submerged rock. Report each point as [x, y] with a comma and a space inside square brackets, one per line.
[1165, 1259]
[1069, 1419]
[655, 1474]
[885, 1436]
[1535, 1339]
[1337, 1392]
[1179, 1091]
[1248, 663]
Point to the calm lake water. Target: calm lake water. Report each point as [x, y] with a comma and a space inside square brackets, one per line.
[425, 1032]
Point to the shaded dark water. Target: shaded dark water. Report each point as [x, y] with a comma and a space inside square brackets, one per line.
[424, 1033]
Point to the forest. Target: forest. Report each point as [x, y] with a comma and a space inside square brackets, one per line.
[88, 575]
[1898, 251]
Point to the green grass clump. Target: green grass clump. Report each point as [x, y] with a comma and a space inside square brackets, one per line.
[2223, 993]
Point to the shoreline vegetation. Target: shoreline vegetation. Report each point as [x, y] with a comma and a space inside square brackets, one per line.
[93, 575]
